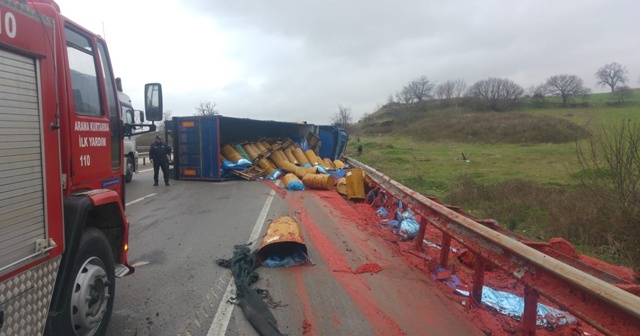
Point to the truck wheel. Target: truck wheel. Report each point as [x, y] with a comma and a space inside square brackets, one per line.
[129, 170]
[92, 287]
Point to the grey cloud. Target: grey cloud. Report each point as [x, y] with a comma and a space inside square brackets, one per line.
[314, 55]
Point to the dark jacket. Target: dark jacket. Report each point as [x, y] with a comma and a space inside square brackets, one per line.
[158, 152]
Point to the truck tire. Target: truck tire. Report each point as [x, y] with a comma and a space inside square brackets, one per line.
[88, 308]
[128, 170]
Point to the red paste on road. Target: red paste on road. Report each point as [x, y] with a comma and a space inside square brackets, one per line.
[362, 217]
[355, 287]
[369, 268]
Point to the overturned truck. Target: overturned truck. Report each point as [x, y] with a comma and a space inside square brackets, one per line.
[215, 148]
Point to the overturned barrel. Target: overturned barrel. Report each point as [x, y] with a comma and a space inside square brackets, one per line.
[339, 164]
[329, 164]
[355, 183]
[288, 152]
[231, 154]
[318, 181]
[283, 238]
[311, 156]
[299, 155]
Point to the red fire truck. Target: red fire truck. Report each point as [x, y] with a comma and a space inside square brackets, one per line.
[63, 230]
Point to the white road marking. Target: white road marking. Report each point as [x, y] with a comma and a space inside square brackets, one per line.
[140, 199]
[223, 315]
[140, 263]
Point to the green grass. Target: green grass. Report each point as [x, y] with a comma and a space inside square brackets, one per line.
[522, 172]
[432, 167]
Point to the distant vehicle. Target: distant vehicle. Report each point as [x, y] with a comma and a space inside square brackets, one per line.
[130, 149]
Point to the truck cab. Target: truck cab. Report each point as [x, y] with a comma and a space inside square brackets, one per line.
[130, 147]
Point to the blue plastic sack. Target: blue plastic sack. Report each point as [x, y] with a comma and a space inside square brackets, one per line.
[512, 305]
[275, 175]
[244, 162]
[390, 223]
[338, 173]
[382, 212]
[228, 165]
[295, 185]
[321, 170]
[408, 229]
[297, 258]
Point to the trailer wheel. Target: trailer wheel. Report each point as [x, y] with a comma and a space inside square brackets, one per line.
[88, 308]
[128, 170]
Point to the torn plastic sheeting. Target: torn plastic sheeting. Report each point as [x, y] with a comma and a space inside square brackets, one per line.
[244, 162]
[296, 185]
[428, 243]
[512, 305]
[297, 258]
[408, 229]
[338, 173]
[382, 212]
[321, 169]
[390, 222]
[452, 281]
[275, 175]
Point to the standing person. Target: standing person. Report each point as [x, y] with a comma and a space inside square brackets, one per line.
[359, 150]
[159, 155]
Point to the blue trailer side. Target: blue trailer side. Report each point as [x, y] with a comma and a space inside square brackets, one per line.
[197, 153]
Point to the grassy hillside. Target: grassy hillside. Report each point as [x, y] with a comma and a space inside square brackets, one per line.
[520, 166]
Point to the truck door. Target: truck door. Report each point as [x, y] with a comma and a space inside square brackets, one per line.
[96, 142]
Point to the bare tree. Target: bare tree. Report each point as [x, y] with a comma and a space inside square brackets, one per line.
[611, 75]
[366, 119]
[207, 109]
[497, 94]
[622, 93]
[390, 99]
[167, 116]
[459, 87]
[404, 97]
[565, 86]
[445, 90]
[610, 165]
[538, 94]
[342, 118]
[419, 89]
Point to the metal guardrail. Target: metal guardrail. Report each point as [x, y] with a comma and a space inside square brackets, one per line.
[607, 308]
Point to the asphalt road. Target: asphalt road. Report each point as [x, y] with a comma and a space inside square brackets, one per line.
[178, 231]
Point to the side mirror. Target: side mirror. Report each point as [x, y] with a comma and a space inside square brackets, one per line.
[141, 117]
[153, 101]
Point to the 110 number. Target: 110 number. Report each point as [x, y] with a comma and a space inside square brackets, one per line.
[85, 160]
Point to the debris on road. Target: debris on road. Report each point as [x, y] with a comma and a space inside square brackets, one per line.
[243, 265]
[512, 305]
[283, 245]
[368, 268]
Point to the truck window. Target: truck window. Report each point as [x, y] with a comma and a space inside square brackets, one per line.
[84, 81]
[112, 103]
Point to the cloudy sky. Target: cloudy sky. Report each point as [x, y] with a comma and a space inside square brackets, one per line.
[297, 60]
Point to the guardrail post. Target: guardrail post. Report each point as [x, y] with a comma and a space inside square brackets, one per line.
[377, 199]
[530, 311]
[144, 160]
[478, 279]
[420, 237]
[444, 252]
